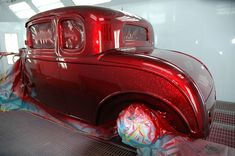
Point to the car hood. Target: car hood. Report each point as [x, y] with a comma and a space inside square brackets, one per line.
[192, 67]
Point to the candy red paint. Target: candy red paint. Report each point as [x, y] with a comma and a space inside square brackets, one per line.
[89, 63]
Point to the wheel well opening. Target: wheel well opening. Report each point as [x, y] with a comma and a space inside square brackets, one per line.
[111, 109]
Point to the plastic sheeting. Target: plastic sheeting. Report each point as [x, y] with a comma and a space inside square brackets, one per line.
[140, 127]
[150, 133]
[43, 35]
[171, 145]
[11, 88]
[73, 35]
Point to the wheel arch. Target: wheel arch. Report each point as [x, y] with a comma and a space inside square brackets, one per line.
[111, 106]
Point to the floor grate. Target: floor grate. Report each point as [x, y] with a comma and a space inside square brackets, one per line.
[224, 116]
[22, 133]
[225, 105]
[222, 128]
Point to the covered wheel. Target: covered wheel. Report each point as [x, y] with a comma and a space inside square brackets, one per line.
[139, 126]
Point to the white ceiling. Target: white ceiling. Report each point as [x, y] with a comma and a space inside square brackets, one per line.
[6, 15]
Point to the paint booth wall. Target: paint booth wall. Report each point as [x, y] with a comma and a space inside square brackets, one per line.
[11, 28]
[202, 28]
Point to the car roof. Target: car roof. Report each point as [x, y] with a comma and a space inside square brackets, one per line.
[82, 11]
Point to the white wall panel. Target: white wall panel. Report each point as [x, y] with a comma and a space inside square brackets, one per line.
[12, 27]
[202, 28]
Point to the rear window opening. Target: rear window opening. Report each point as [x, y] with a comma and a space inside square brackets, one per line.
[134, 33]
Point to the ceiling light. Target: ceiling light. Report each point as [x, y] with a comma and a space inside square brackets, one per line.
[25, 13]
[19, 6]
[47, 5]
[43, 2]
[50, 6]
[90, 2]
[22, 10]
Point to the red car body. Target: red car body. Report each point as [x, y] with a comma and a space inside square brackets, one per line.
[90, 63]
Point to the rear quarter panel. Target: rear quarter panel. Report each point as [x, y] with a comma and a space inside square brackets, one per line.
[161, 80]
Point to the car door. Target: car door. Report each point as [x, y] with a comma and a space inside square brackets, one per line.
[42, 61]
[72, 58]
[83, 76]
